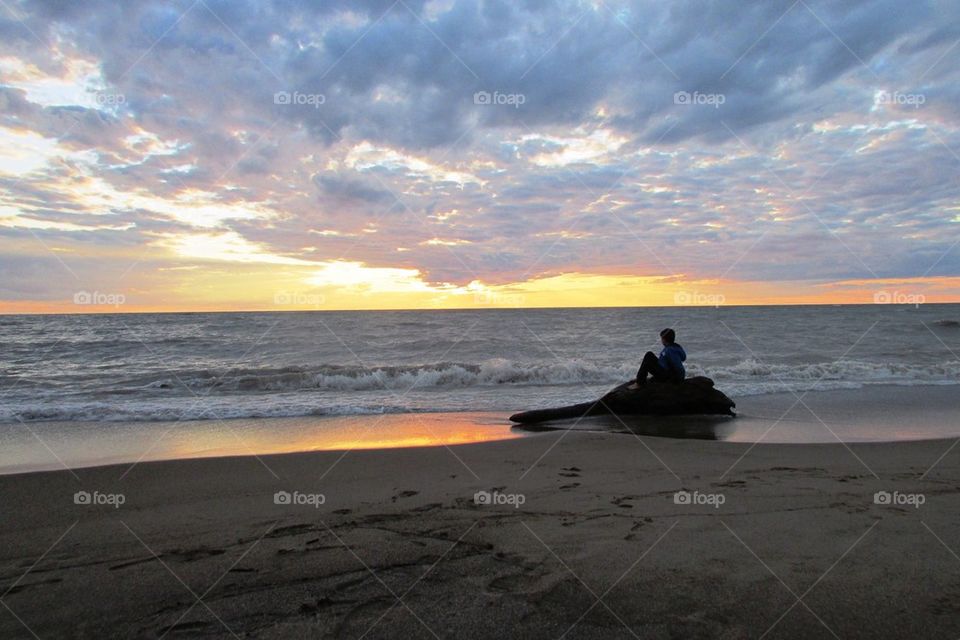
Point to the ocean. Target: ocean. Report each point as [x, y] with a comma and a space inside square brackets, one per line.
[196, 366]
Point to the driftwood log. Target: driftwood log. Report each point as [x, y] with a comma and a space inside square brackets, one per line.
[693, 396]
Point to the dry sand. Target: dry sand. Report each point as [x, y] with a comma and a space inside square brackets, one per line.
[598, 549]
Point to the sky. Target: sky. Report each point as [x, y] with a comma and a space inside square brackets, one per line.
[235, 155]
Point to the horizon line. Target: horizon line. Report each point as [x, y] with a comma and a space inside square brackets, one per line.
[481, 308]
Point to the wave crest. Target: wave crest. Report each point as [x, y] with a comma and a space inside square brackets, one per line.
[444, 375]
[497, 372]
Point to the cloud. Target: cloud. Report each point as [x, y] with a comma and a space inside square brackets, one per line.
[341, 187]
[488, 142]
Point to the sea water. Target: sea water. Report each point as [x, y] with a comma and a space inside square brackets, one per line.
[196, 366]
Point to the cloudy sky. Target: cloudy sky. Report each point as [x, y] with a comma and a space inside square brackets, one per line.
[225, 154]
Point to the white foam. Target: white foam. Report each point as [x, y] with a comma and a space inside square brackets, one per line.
[445, 375]
[492, 385]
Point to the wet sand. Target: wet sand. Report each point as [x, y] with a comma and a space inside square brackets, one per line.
[877, 413]
[48, 446]
[874, 413]
[588, 538]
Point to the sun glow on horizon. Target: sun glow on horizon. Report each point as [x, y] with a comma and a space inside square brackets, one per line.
[179, 181]
[251, 280]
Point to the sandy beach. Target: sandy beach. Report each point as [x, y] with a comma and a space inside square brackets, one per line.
[579, 535]
[466, 320]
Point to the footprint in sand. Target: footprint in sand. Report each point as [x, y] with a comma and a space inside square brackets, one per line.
[309, 608]
[514, 583]
[633, 529]
[192, 555]
[185, 626]
[130, 563]
[291, 530]
[428, 507]
[730, 483]
[20, 587]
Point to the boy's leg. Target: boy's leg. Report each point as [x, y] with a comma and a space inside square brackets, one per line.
[658, 373]
[649, 365]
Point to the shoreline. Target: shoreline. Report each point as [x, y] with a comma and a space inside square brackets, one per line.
[880, 413]
[803, 448]
[399, 545]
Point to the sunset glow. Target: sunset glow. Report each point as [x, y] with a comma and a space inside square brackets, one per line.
[278, 159]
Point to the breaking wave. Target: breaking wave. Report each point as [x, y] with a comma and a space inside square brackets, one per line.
[493, 385]
[443, 375]
[500, 372]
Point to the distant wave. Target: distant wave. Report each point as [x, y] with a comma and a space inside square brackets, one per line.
[852, 371]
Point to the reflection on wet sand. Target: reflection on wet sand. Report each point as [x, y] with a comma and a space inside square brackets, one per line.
[285, 435]
[873, 414]
[701, 427]
[75, 445]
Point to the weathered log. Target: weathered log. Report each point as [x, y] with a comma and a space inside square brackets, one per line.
[693, 396]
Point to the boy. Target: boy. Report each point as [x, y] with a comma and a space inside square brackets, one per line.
[669, 366]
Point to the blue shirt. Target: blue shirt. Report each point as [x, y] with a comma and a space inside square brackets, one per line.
[671, 359]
